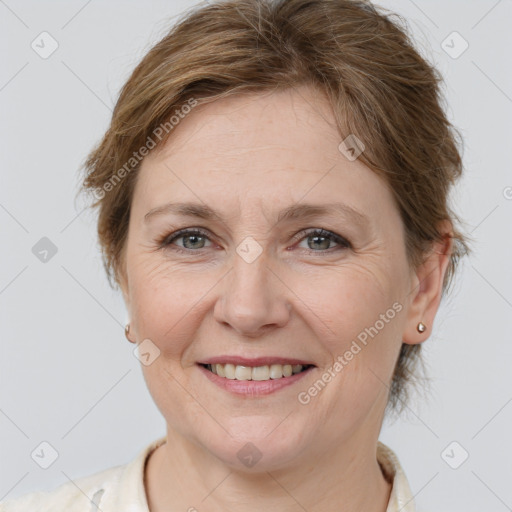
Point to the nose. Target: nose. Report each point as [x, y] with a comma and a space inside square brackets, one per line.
[253, 299]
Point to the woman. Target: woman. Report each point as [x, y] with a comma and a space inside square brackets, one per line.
[273, 204]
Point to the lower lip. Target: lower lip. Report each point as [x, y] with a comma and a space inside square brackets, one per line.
[253, 387]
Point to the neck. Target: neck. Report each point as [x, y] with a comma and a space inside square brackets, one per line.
[347, 478]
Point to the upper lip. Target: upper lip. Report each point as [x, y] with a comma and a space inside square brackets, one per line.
[256, 361]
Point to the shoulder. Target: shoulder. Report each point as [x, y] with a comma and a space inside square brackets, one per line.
[401, 498]
[72, 496]
[117, 488]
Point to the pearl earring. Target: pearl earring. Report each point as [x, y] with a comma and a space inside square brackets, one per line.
[126, 332]
[421, 327]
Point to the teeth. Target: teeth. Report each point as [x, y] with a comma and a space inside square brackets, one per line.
[229, 371]
[260, 373]
[219, 370]
[276, 371]
[243, 372]
[238, 372]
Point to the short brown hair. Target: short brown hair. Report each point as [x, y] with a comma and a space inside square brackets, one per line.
[380, 88]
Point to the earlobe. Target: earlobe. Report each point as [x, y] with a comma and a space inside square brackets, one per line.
[427, 291]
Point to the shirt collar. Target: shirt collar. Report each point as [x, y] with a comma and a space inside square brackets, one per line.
[130, 493]
[401, 499]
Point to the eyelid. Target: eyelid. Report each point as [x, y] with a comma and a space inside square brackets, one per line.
[340, 240]
[343, 243]
[168, 239]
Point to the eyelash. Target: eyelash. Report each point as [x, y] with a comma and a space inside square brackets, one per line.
[166, 241]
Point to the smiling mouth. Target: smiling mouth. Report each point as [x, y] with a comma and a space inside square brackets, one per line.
[258, 373]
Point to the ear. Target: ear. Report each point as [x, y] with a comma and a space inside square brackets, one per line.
[427, 286]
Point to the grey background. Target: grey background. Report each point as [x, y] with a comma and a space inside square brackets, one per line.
[68, 376]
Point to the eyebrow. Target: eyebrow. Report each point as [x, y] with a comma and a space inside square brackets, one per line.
[300, 211]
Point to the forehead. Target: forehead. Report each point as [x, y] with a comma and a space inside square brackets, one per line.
[255, 151]
[291, 122]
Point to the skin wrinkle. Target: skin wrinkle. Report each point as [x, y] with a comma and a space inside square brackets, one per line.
[285, 302]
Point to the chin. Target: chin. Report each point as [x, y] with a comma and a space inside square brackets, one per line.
[258, 444]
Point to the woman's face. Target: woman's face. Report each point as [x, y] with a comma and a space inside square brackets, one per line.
[256, 283]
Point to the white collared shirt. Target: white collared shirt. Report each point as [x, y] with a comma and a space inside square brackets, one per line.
[121, 489]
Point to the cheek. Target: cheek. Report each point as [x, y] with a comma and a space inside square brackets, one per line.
[359, 319]
[351, 298]
[169, 303]
[166, 304]
[362, 347]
